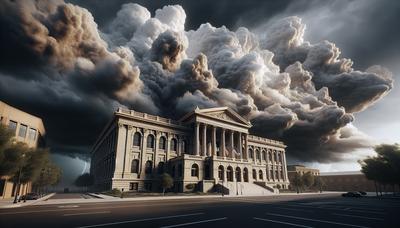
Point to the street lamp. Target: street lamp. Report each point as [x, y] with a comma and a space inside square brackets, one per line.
[17, 188]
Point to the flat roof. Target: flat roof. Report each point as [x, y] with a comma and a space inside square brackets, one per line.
[341, 173]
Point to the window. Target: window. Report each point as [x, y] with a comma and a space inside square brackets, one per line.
[254, 174]
[173, 171]
[184, 146]
[271, 174]
[137, 139]
[221, 172]
[150, 141]
[229, 173]
[22, 130]
[195, 170]
[238, 174]
[173, 145]
[245, 175]
[251, 153]
[12, 125]
[162, 143]
[160, 168]
[279, 157]
[260, 175]
[258, 155]
[275, 158]
[264, 155]
[270, 156]
[135, 166]
[148, 167]
[32, 134]
[133, 186]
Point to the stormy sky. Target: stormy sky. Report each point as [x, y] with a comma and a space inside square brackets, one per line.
[320, 75]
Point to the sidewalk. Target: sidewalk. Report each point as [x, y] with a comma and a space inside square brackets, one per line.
[9, 203]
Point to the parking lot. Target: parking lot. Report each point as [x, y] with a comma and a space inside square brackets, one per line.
[330, 210]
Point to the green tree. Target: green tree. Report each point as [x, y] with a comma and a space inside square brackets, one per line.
[85, 180]
[166, 181]
[308, 179]
[50, 175]
[12, 158]
[297, 182]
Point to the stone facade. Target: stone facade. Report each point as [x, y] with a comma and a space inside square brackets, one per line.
[28, 129]
[135, 148]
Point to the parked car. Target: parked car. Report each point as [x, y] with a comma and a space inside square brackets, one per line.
[351, 194]
[30, 196]
[362, 193]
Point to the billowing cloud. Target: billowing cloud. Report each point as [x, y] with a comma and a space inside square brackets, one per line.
[292, 90]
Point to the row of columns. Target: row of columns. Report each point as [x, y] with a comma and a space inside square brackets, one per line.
[201, 148]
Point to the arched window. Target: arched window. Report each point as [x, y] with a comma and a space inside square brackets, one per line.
[254, 174]
[148, 167]
[246, 175]
[162, 143]
[260, 175]
[264, 155]
[195, 170]
[137, 139]
[150, 141]
[135, 166]
[221, 172]
[160, 168]
[270, 156]
[251, 153]
[277, 174]
[238, 174]
[258, 155]
[229, 173]
[173, 145]
[275, 157]
[279, 157]
[271, 174]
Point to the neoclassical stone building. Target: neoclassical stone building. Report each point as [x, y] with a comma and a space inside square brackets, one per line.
[206, 150]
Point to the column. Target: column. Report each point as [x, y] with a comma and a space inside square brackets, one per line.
[204, 147]
[143, 152]
[156, 135]
[128, 158]
[213, 141]
[246, 149]
[232, 144]
[167, 147]
[223, 142]
[196, 138]
[284, 167]
[240, 145]
[120, 151]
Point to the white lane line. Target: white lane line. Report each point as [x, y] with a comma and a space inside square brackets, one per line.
[292, 209]
[140, 220]
[364, 211]
[357, 216]
[88, 213]
[68, 206]
[286, 223]
[317, 220]
[337, 209]
[196, 222]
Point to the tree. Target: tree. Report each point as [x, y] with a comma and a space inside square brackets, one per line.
[383, 168]
[50, 175]
[297, 182]
[319, 183]
[85, 180]
[308, 179]
[12, 158]
[166, 181]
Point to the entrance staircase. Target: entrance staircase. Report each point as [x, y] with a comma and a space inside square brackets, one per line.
[248, 189]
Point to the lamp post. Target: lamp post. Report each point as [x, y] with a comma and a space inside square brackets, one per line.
[17, 188]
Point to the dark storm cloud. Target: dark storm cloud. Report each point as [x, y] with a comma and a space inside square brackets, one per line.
[300, 92]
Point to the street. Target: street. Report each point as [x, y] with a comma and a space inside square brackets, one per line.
[317, 210]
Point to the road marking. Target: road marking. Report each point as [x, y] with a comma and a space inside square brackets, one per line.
[364, 211]
[192, 223]
[88, 213]
[68, 206]
[292, 209]
[337, 209]
[140, 220]
[317, 220]
[357, 216]
[286, 223]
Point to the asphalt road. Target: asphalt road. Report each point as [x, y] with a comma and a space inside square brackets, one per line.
[267, 211]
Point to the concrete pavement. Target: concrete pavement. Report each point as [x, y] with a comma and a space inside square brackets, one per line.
[309, 210]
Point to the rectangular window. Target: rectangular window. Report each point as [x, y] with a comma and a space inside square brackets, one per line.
[32, 134]
[133, 186]
[22, 131]
[12, 125]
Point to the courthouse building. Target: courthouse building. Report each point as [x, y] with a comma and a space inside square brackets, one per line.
[26, 128]
[206, 150]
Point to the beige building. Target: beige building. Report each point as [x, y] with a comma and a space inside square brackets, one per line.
[206, 150]
[301, 169]
[28, 129]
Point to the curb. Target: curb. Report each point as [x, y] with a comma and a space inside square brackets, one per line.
[30, 202]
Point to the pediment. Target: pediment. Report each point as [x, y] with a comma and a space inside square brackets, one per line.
[223, 113]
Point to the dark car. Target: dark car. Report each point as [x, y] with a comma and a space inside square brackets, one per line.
[351, 194]
[30, 196]
[362, 193]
